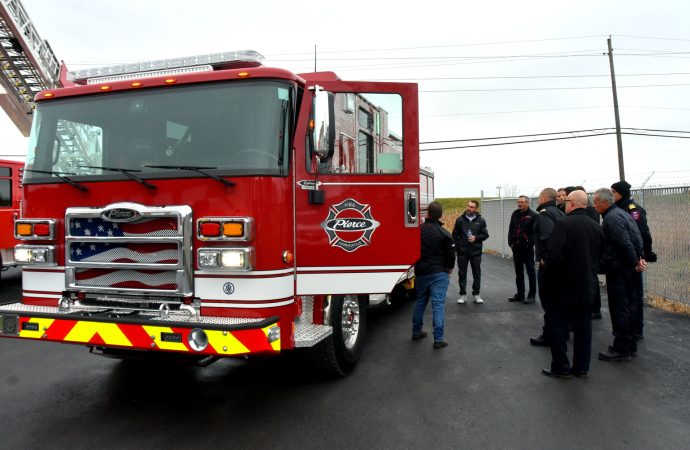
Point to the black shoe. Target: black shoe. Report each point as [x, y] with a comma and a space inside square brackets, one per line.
[596, 315]
[528, 300]
[440, 344]
[539, 341]
[418, 336]
[612, 355]
[579, 374]
[516, 298]
[552, 374]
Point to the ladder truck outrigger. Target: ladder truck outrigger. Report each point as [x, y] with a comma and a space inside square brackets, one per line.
[210, 206]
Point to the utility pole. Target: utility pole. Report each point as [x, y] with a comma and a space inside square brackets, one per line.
[621, 170]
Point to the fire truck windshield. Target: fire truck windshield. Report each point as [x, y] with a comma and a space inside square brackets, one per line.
[239, 128]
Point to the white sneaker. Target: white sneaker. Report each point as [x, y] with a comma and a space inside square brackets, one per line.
[478, 299]
[462, 299]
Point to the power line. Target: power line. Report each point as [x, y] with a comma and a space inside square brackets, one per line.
[651, 37]
[476, 44]
[595, 132]
[515, 142]
[660, 131]
[654, 135]
[515, 111]
[523, 77]
[565, 88]
[523, 111]
[516, 136]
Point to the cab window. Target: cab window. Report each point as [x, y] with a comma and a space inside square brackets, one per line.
[368, 135]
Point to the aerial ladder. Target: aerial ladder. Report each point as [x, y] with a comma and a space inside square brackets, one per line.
[27, 64]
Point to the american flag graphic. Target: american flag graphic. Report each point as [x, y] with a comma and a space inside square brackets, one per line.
[119, 250]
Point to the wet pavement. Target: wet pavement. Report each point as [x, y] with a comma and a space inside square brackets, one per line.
[484, 390]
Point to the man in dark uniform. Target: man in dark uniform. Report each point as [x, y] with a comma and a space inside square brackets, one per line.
[621, 194]
[548, 214]
[432, 272]
[622, 262]
[468, 234]
[521, 241]
[571, 269]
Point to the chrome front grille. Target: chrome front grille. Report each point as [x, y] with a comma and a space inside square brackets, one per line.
[138, 250]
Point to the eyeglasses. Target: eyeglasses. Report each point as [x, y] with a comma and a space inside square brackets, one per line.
[571, 201]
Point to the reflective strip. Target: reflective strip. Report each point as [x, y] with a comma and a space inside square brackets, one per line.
[156, 333]
[43, 325]
[275, 344]
[225, 343]
[147, 337]
[109, 333]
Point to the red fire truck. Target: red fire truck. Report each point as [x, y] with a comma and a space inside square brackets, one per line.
[10, 201]
[213, 207]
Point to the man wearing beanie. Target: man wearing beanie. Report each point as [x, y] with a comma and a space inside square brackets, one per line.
[621, 194]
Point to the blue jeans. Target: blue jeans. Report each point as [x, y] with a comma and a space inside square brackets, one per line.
[432, 287]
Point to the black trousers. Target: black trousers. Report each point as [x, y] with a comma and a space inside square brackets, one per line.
[559, 319]
[596, 306]
[524, 257]
[544, 299]
[638, 312]
[475, 262]
[621, 287]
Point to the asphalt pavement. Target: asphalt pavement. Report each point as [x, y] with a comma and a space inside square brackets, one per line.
[484, 390]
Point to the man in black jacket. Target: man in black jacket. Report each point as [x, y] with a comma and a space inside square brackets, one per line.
[521, 241]
[432, 272]
[548, 214]
[571, 268]
[622, 262]
[594, 215]
[468, 234]
[621, 194]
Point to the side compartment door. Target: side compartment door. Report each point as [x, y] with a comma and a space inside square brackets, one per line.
[357, 200]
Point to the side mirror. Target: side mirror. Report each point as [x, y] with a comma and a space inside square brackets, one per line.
[323, 130]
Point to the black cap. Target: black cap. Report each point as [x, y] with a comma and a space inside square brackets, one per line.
[622, 187]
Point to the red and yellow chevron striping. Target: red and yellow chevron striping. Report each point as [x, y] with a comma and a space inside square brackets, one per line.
[147, 336]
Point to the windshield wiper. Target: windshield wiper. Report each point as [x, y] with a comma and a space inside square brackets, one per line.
[196, 169]
[60, 175]
[127, 172]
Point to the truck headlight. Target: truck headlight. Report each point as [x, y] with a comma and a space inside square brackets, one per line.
[239, 258]
[35, 254]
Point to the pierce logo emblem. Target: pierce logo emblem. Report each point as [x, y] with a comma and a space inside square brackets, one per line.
[121, 215]
[349, 225]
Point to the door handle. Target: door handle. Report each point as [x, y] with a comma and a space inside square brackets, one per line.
[412, 208]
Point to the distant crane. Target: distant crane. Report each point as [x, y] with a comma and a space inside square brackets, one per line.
[27, 64]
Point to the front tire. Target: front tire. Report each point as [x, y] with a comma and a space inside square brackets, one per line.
[338, 354]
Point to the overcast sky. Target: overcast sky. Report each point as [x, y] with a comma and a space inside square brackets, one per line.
[485, 69]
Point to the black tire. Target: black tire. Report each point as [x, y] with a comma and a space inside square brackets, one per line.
[337, 355]
[399, 295]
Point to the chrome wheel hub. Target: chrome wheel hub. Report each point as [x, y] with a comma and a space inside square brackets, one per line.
[350, 321]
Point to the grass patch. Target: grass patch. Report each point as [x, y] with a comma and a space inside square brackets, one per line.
[668, 305]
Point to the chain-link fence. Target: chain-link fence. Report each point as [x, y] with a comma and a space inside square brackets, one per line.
[668, 214]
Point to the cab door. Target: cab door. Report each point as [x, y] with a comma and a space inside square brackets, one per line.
[356, 186]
